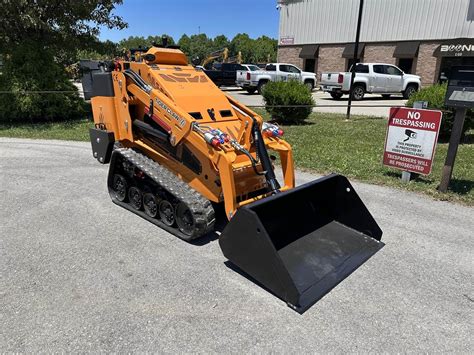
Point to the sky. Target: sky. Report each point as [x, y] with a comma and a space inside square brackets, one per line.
[212, 17]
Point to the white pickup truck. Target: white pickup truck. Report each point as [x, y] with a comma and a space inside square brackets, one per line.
[256, 80]
[374, 78]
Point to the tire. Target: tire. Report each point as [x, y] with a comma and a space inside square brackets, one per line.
[310, 85]
[386, 96]
[251, 91]
[336, 95]
[410, 90]
[358, 92]
[261, 86]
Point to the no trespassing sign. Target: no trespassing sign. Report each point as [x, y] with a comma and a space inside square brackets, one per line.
[411, 139]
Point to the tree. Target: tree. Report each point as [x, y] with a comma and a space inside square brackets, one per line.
[264, 50]
[220, 42]
[36, 37]
[55, 24]
[242, 43]
[185, 43]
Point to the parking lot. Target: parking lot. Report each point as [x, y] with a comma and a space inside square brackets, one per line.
[323, 100]
[327, 104]
[81, 274]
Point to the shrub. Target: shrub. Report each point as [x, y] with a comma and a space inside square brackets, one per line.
[435, 96]
[31, 67]
[282, 93]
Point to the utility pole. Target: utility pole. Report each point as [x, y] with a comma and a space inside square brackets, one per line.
[356, 50]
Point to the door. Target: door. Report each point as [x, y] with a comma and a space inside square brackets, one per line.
[395, 78]
[289, 72]
[310, 65]
[380, 78]
[229, 73]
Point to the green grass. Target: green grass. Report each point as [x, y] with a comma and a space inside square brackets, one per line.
[71, 130]
[325, 144]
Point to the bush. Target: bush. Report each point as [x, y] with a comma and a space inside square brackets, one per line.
[31, 67]
[282, 93]
[435, 96]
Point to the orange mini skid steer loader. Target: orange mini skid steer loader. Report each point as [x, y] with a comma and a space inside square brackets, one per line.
[178, 146]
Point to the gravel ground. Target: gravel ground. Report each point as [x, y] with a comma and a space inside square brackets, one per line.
[78, 273]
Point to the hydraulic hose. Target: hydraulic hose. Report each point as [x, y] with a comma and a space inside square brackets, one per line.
[262, 152]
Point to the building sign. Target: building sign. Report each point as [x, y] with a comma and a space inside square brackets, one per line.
[287, 40]
[462, 47]
[411, 139]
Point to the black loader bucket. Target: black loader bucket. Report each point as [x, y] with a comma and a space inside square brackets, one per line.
[301, 243]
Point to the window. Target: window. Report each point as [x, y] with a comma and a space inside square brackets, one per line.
[293, 69]
[253, 67]
[270, 67]
[379, 69]
[289, 69]
[350, 62]
[392, 70]
[361, 68]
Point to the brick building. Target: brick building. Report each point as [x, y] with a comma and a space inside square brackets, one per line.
[423, 37]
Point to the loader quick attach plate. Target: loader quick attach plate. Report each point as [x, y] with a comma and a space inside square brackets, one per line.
[301, 243]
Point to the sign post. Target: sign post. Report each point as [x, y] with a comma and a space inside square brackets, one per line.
[406, 175]
[452, 149]
[460, 94]
[411, 139]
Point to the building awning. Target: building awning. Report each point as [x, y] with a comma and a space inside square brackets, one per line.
[459, 47]
[406, 49]
[349, 50]
[309, 51]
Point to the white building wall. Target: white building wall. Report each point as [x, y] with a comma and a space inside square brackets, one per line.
[334, 21]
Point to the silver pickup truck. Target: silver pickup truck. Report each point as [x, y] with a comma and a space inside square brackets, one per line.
[256, 80]
[375, 78]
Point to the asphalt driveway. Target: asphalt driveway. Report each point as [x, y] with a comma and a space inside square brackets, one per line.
[78, 273]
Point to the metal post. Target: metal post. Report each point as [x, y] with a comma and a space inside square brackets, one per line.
[356, 50]
[453, 148]
[406, 175]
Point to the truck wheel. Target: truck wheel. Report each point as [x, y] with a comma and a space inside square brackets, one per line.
[386, 96]
[336, 95]
[251, 91]
[309, 85]
[358, 92]
[410, 90]
[261, 86]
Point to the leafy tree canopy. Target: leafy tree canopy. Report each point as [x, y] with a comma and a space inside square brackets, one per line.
[61, 25]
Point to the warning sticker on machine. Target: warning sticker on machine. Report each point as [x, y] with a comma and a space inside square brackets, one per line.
[411, 139]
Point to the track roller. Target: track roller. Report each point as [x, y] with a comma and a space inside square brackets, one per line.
[149, 190]
[166, 211]
[150, 205]
[135, 196]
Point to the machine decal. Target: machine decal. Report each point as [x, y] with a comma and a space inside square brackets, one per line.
[181, 121]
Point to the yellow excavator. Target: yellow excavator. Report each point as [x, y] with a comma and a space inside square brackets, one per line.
[178, 148]
[223, 54]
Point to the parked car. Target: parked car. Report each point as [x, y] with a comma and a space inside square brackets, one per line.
[224, 74]
[374, 78]
[252, 81]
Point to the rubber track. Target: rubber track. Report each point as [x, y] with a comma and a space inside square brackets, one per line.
[201, 208]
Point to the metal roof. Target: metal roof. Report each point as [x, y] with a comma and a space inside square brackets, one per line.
[334, 21]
